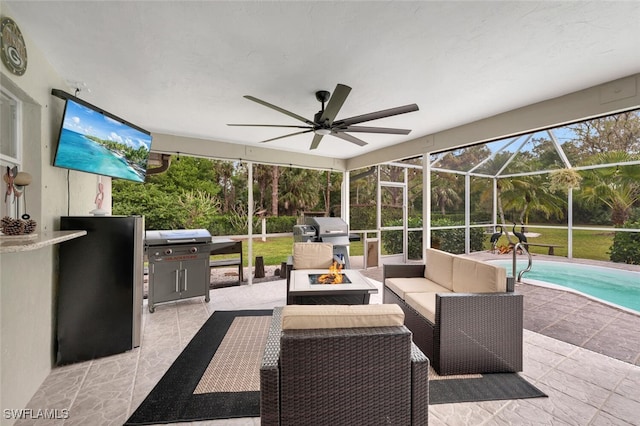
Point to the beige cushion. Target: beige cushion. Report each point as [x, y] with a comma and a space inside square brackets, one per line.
[312, 255]
[299, 317]
[400, 286]
[424, 303]
[439, 267]
[474, 276]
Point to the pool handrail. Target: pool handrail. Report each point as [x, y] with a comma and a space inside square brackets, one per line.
[528, 268]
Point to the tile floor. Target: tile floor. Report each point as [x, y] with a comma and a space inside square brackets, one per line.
[584, 387]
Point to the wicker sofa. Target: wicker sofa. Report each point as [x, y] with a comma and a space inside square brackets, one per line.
[460, 313]
[342, 365]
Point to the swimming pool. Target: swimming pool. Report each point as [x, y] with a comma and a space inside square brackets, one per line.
[614, 286]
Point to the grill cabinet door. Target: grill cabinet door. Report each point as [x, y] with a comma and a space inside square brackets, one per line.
[194, 277]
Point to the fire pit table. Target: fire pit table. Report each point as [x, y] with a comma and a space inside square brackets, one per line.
[305, 289]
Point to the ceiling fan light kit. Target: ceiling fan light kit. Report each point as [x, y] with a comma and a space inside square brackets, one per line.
[325, 124]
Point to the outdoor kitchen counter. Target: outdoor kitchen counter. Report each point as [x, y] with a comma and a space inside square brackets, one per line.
[9, 244]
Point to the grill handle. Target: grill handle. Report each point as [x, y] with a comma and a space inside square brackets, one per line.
[185, 279]
[182, 241]
[177, 280]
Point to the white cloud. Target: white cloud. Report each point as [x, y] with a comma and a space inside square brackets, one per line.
[115, 137]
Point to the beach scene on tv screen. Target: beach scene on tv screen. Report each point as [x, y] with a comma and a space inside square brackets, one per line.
[94, 143]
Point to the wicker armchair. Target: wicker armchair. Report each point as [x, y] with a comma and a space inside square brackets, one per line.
[343, 376]
[308, 256]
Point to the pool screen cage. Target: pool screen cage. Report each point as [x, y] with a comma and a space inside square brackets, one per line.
[583, 178]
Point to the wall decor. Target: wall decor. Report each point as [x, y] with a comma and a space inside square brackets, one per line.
[13, 48]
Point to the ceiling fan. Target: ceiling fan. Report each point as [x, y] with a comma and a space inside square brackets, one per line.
[324, 122]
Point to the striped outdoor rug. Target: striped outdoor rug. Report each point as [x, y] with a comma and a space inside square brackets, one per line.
[216, 376]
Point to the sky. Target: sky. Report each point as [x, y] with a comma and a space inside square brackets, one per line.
[81, 119]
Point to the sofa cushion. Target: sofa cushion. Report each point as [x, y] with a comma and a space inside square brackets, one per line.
[312, 255]
[298, 317]
[424, 303]
[400, 286]
[439, 267]
[475, 276]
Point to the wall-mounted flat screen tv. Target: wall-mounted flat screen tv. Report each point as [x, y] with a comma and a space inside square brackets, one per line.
[95, 141]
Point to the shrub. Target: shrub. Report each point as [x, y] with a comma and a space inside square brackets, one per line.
[362, 217]
[453, 240]
[449, 240]
[626, 245]
[392, 240]
[237, 224]
[279, 224]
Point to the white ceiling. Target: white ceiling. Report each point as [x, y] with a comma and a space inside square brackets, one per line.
[182, 68]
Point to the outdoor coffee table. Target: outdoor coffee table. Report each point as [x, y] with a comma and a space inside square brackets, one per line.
[355, 292]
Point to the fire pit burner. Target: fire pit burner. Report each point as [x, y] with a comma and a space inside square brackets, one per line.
[315, 279]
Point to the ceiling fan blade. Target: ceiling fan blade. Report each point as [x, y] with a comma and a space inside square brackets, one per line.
[335, 103]
[286, 136]
[284, 111]
[349, 138]
[365, 129]
[316, 141]
[376, 115]
[269, 125]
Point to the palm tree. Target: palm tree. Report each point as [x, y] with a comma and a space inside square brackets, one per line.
[445, 191]
[444, 196]
[616, 187]
[528, 194]
[299, 189]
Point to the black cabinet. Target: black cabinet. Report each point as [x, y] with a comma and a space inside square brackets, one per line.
[99, 297]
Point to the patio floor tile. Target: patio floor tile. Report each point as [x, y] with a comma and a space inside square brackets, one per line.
[595, 384]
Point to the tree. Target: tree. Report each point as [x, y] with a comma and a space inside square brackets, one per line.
[262, 176]
[528, 193]
[275, 176]
[300, 190]
[613, 133]
[173, 199]
[445, 190]
[224, 171]
[616, 187]
[198, 209]
[188, 173]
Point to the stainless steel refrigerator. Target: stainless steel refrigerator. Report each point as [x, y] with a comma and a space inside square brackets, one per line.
[99, 297]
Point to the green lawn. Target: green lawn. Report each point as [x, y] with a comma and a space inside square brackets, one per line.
[276, 250]
[593, 245]
[586, 245]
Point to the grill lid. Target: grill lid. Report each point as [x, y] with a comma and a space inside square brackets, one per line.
[177, 236]
[328, 225]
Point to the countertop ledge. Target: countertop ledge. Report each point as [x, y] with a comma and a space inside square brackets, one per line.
[37, 242]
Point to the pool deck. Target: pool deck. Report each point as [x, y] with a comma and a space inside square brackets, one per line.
[584, 386]
[571, 317]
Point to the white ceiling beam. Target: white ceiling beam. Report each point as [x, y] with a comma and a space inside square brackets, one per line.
[171, 144]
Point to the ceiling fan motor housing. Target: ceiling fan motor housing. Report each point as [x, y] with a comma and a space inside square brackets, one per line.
[316, 119]
[322, 96]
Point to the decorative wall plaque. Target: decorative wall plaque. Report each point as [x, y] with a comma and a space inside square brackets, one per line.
[14, 50]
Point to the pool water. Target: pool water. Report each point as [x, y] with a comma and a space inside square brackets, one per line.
[615, 286]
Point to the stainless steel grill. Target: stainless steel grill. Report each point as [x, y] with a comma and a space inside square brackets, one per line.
[178, 264]
[332, 230]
